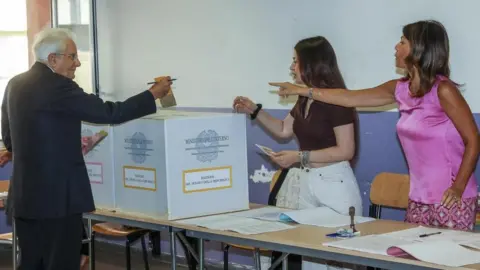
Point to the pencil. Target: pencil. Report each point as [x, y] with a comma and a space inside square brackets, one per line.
[171, 80]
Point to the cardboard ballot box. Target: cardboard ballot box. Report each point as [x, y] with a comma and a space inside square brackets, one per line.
[99, 162]
[181, 164]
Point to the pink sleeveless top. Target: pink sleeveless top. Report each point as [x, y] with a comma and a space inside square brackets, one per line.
[432, 145]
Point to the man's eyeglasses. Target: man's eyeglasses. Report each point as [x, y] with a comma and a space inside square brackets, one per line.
[72, 56]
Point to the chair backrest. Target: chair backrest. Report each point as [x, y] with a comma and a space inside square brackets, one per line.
[4, 185]
[275, 178]
[390, 190]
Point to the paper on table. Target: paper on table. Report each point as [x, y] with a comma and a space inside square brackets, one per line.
[254, 226]
[263, 213]
[375, 243]
[456, 236]
[323, 217]
[241, 225]
[472, 244]
[442, 252]
[408, 243]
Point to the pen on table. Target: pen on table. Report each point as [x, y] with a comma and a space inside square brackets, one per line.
[171, 80]
[428, 234]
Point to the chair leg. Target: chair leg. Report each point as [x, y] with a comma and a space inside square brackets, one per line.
[225, 257]
[92, 256]
[379, 211]
[144, 250]
[257, 258]
[155, 240]
[127, 254]
[372, 210]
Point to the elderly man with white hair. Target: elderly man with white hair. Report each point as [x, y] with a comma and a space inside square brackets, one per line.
[42, 112]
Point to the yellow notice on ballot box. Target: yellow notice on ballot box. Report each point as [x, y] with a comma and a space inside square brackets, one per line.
[139, 178]
[199, 180]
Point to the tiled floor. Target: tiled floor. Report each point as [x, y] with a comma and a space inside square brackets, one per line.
[108, 257]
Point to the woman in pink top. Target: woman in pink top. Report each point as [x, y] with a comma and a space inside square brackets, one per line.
[436, 128]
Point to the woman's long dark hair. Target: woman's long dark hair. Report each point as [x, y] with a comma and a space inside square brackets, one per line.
[318, 63]
[429, 53]
[319, 69]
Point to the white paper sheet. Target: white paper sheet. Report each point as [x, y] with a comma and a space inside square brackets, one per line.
[444, 248]
[263, 213]
[455, 236]
[3, 195]
[241, 225]
[323, 217]
[472, 244]
[375, 243]
[442, 252]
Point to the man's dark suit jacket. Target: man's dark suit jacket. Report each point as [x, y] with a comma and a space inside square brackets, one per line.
[41, 125]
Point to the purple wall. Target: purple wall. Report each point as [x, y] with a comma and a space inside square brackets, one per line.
[379, 151]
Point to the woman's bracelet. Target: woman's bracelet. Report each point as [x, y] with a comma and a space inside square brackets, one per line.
[255, 113]
[310, 93]
[304, 158]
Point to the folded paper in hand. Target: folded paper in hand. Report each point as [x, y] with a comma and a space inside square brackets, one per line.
[268, 151]
[169, 99]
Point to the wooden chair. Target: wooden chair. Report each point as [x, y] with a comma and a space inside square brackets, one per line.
[256, 251]
[388, 190]
[4, 184]
[5, 238]
[131, 235]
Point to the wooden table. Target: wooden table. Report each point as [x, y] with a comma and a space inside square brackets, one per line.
[307, 241]
[160, 223]
[303, 240]
[129, 219]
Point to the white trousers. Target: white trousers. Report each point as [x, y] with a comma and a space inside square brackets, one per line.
[333, 186]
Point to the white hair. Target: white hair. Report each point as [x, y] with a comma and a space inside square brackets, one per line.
[50, 40]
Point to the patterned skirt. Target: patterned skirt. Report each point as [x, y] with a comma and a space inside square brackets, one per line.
[461, 216]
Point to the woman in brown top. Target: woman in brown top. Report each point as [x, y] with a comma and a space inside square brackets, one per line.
[325, 134]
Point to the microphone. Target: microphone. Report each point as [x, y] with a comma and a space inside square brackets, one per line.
[351, 212]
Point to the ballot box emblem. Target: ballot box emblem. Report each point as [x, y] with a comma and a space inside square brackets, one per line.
[138, 147]
[86, 132]
[207, 145]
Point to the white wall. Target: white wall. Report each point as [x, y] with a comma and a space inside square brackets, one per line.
[220, 49]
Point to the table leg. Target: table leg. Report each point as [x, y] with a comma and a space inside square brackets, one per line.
[14, 244]
[283, 259]
[189, 247]
[285, 263]
[201, 254]
[90, 250]
[173, 251]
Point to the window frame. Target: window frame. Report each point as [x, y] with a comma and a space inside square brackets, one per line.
[13, 33]
[93, 42]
